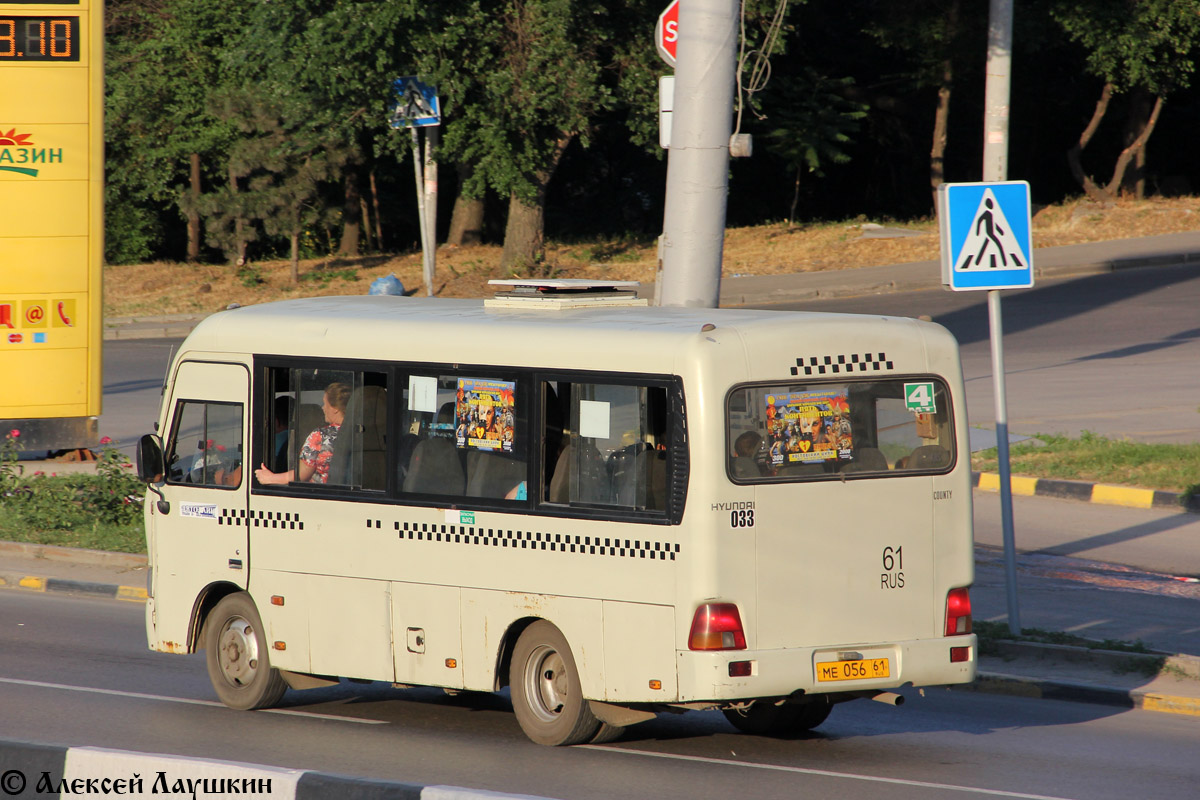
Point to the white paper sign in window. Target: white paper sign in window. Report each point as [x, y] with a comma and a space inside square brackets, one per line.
[593, 419]
[422, 393]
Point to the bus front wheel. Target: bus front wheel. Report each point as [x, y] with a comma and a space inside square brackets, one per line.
[763, 718]
[546, 694]
[239, 665]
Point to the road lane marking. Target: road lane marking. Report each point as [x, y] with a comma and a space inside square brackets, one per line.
[825, 773]
[185, 700]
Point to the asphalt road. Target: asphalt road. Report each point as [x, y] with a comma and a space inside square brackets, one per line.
[1114, 353]
[1111, 353]
[76, 671]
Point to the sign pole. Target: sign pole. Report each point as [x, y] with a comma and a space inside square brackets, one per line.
[421, 223]
[416, 105]
[995, 168]
[430, 219]
[693, 238]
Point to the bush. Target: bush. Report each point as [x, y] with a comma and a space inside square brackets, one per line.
[38, 504]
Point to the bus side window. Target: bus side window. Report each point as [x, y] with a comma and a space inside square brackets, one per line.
[205, 448]
[612, 449]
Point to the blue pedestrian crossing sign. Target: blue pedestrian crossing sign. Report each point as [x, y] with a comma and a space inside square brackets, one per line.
[414, 104]
[986, 232]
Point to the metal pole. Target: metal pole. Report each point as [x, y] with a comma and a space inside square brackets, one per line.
[431, 197]
[693, 237]
[418, 172]
[995, 168]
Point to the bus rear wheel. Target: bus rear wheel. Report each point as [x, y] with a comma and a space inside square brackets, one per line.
[546, 694]
[236, 654]
[764, 718]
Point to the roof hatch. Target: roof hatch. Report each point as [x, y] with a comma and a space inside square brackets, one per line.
[556, 294]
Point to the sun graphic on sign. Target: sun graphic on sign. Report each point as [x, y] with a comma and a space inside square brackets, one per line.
[14, 139]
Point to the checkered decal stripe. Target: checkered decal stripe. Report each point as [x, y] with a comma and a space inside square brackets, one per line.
[531, 540]
[842, 364]
[232, 516]
[277, 519]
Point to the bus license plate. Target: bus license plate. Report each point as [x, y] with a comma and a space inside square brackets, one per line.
[853, 670]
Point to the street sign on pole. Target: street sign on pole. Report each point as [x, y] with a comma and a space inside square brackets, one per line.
[666, 33]
[416, 104]
[986, 232]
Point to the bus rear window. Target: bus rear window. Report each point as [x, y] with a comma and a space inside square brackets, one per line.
[786, 432]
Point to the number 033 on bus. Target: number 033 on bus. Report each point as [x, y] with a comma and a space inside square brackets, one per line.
[613, 510]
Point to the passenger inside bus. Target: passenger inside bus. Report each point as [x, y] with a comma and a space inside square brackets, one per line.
[317, 452]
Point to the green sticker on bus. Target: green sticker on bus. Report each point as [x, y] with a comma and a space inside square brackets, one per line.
[466, 518]
[918, 397]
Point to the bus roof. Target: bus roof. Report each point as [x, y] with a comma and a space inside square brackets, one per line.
[465, 331]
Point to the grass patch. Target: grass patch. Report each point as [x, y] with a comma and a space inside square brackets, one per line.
[991, 632]
[101, 511]
[111, 537]
[1098, 459]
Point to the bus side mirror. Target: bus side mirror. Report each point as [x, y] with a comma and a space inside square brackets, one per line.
[150, 468]
[149, 459]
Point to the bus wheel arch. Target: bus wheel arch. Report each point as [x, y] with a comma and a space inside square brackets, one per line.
[206, 601]
[547, 696]
[507, 644]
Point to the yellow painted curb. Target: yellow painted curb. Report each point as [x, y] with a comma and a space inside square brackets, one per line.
[30, 582]
[1171, 704]
[131, 593]
[989, 481]
[1123, 496]
[1020, 485]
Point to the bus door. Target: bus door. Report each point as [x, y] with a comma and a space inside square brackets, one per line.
[202, 538]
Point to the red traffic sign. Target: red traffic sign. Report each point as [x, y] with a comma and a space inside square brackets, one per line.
[666, 33]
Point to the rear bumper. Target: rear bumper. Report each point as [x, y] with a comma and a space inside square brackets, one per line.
[704, 676]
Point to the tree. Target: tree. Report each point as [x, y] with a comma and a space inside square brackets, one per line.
[543, 84]
[281, 166]
[812, 123]
[937, 38]
[162, 70]
[1132, 45]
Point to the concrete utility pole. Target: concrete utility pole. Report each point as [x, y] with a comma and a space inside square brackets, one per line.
[995, 168]
[693, 239]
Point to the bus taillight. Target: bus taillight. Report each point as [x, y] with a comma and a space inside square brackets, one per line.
[958, 612]
[717, 626]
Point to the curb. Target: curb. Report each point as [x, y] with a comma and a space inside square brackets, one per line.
[30, 769]
[1089, 492]
[34, 583]
[1077, 692]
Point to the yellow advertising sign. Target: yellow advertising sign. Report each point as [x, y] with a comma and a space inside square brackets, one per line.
[51, 193]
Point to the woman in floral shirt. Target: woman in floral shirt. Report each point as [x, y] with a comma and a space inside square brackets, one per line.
[318, 447]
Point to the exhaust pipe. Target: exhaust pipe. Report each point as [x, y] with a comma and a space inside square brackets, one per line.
[891, 698]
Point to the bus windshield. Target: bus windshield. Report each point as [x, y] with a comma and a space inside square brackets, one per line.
[789, 432]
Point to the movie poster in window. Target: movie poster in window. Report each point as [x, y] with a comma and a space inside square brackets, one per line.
[809, 427]
[484, 414]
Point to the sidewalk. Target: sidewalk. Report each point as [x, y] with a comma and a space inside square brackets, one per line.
[1049, 263]
[1165, 682]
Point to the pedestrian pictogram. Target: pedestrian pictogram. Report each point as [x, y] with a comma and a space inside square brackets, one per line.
[415, 104]
[991, 244]
[985, 230]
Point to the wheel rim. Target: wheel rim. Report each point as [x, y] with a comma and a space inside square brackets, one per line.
[546, 683]
[237, 652]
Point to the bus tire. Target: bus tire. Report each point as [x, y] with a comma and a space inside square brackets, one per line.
[607, 733]
[764, 718]
[239, 663]
[546, 694]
